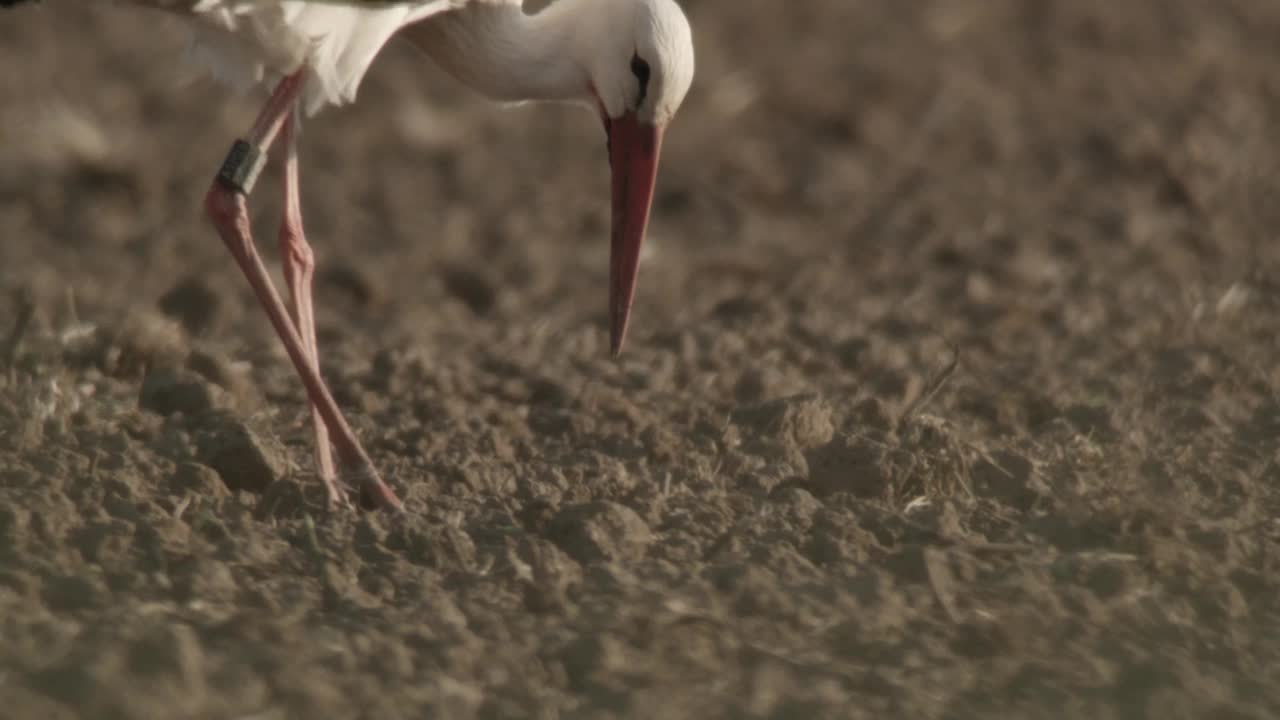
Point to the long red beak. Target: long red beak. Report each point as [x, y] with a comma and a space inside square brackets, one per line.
[633, 155]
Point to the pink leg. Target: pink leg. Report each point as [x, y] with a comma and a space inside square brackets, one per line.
[299, 263]
[225, 204]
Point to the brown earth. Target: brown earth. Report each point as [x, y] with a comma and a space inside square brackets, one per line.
[764, 509]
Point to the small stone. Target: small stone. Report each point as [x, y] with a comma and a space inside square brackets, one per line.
[601, 531]
[244, 459]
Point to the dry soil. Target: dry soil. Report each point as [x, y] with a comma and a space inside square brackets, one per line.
[952, 389]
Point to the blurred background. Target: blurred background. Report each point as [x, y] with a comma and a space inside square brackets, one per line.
[853, 134]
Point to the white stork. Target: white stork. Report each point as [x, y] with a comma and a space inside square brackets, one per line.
[629, 60]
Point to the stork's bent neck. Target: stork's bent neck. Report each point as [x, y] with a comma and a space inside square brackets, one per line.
[507, 55]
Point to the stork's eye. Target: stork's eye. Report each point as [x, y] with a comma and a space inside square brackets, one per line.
[640, 69]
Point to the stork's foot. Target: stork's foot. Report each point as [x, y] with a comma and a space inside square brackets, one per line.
[337, 494]
[363, 477]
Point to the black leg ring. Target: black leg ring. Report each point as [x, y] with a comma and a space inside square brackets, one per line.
[242, 167]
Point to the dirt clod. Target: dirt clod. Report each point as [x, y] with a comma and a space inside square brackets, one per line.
[168, 391]
[849, 464]
[802, 422]
[552, 573]
[197, 479]
[220, 371]
[1007, 476]
[204, 580]
[590, 658]
[170, 650]
[194, 304]
[70, 593]
[600, 532]
[142, 341]
[342, 589]
[472, 288]
[244, 458]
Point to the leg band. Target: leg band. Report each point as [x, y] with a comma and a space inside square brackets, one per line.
[242, 167]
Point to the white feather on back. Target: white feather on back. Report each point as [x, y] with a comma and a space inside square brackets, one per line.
[248, 42]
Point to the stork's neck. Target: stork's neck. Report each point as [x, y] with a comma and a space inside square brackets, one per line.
[507, 55]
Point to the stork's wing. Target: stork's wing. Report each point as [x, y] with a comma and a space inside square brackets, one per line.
[196, 6]
[417, 9]
[245, 42]
[201, 5]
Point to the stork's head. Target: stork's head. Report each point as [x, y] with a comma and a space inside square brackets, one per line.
[641, 59]
[641, 66]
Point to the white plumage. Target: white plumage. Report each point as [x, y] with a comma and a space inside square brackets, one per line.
[248, 42]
